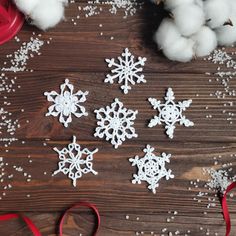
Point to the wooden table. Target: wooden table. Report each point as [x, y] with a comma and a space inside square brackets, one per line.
[77, 52]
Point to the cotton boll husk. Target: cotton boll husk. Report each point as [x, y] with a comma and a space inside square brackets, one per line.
[26, 6]
[167, 33]
[47, 14]
[188, 18]
[226, 35]
[217, 12]
[181, 50]
[154, 1]
[205, 41]
[171, 4]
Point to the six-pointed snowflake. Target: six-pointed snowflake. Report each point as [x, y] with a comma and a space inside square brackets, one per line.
[66, 103]
[151, 168]
[115, 123]
[126, 71]
[170, 113]
[75, 161]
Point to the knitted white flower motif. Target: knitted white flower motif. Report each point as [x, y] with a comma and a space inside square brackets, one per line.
[126, 70]
[115, 123]
[170, 113]
[75, 161]
[66, 103]
[151, 168]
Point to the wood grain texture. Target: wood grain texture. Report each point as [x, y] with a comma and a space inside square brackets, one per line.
[78, 53]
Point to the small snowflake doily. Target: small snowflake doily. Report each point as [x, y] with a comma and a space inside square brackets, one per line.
[151, 168]
[66, 103]
[115, 123]
[126, 70]
[75, 161]
[170, 113]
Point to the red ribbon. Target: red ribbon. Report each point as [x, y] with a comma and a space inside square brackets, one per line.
[81, 204]
[225, 209]
[28, 222]
[35, 230]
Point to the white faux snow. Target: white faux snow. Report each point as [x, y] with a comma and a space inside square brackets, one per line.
[219, 179]
[115, 123]
[127, 70]
[20, 57]
[75, 161]
[66, 103]
[170, 113]
[151, 168]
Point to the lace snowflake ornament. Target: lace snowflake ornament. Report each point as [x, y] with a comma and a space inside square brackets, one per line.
[75, 161]
[170, 113]
[66, 103]
[127, 70]
[115, 123]
[151, 168]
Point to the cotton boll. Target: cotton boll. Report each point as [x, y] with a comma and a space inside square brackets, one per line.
[26, 6]
[181, 50]
[64, 2]
[199, 3]
[171, 4]
[47, 14]
[205, 41]
[232, 5]
[167, 33]
[217, 12]
[188, 18]
[226, 35]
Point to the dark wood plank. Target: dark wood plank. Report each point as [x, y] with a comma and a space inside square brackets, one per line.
[109, 188]
[30, 98]
[86, 49]
[117, 224]
[78, 53]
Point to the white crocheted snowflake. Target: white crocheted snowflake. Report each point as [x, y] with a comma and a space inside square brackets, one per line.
[115, 123]
[126, 71]
[67, 103]
[151, 168]
[170, 113]
[75, 161]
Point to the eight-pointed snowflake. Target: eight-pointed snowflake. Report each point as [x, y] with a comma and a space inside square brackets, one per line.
[66, 103]
[126, 70]
[151, 168]
[115, 123]
[75, 161]
[170, 113]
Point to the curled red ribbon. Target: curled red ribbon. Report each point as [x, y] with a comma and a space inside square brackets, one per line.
[81, 204]
[28, 222]
[225, 209]
[35, 230]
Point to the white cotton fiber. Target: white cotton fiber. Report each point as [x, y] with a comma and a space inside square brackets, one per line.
[171, 4]
[26, 6]
[217, 12]
[226, 34]
[167, 33]
[232, 5]
[199, 3]
[205, 41]
[43, 13]
[181, 50]
[47, 14]
[188, 18]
